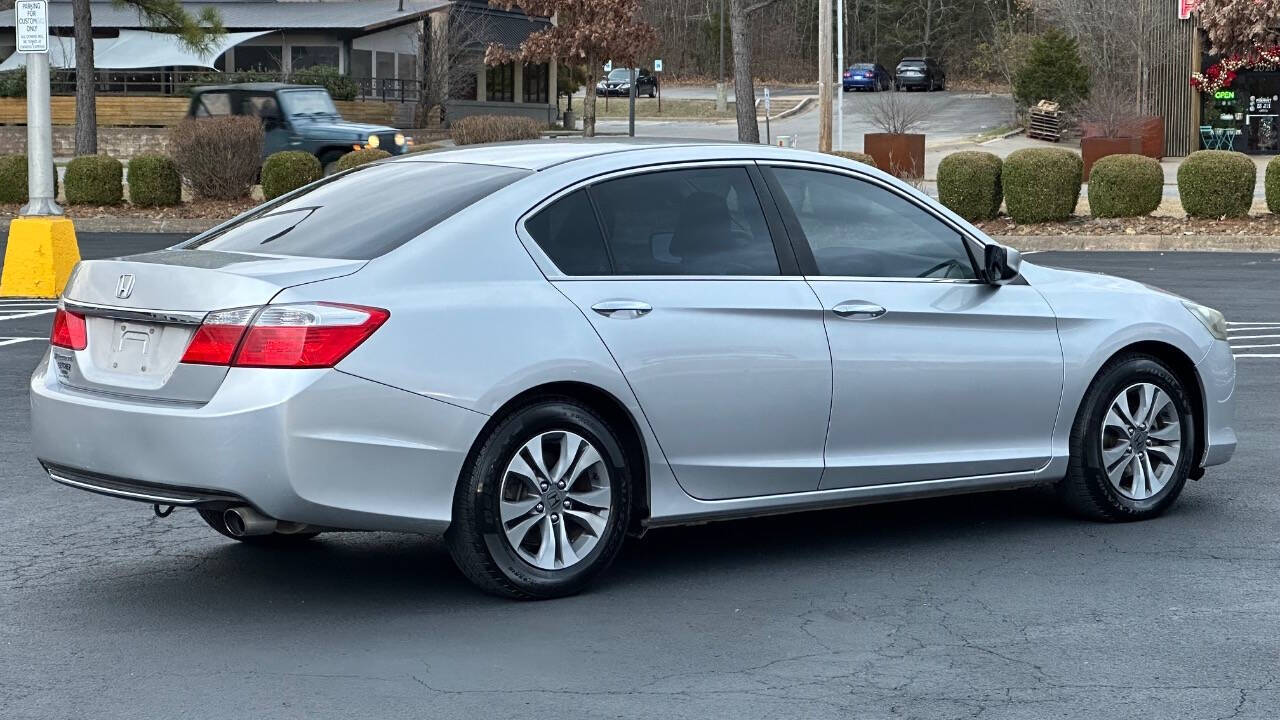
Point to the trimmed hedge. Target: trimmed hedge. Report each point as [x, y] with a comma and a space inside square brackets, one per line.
[13, 179]
[425, 147]
[494, 128]
[94, 180]
[1271, 183]
[356, 158]
[1217, 183]
[863, 158]
[219, 157]
[1125, 186]
[1041, 184]
[969, 184]
[154, 181]
[287, 171]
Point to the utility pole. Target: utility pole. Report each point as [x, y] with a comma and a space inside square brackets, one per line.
[722, 103]
[824, 75]
[840, 68]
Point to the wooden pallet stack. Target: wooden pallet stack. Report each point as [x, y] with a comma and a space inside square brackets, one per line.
[1045, 122]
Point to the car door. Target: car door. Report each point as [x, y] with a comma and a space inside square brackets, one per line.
[275, 130]
[936, 373]
[679, 271]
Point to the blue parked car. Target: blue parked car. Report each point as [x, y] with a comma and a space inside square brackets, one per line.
[867, 76]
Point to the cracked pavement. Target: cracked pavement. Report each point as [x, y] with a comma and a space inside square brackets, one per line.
[990, 606]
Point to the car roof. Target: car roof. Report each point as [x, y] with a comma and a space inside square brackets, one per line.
[542, 154]
[256, 87]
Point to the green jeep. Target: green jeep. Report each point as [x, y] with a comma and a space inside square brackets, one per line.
[295, 117]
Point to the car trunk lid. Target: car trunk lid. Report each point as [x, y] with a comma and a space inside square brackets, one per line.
[142, 311]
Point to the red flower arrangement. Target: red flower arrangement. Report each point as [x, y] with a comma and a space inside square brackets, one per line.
[1221, 74]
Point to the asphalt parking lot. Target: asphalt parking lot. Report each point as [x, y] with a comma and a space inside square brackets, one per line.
[993, 606]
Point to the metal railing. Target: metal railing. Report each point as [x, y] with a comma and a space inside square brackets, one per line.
[180, 82]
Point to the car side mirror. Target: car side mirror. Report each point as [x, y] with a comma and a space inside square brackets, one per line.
[1001, 264]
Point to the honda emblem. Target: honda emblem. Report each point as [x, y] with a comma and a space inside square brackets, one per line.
[124, 288]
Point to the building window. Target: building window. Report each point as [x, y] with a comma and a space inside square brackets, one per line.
[500, 83]
[385, 64]
[262, 58]
[535, 83]
[404, 66]
[361, 64]
[305, 56]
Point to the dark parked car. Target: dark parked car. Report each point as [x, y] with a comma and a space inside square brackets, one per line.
[618, 82]
[866, 76]
[295, 117]
[923, 73]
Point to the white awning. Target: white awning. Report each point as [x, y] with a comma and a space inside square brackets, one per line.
[135, 49]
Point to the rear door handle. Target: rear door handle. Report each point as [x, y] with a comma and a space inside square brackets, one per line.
[623, 309]
[857, 310]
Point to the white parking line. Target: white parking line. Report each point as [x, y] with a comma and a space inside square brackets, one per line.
[19, 316]
[15, 341]
[1252, 328]
[1267, 322]
[1253, 337]
[1261, 355]
[1253, 347]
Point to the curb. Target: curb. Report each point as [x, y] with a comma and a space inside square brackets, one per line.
[1142, 243]
[136, 225]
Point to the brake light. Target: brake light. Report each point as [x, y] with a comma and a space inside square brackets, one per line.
[69, 331]
[216, 340]
[306, 335]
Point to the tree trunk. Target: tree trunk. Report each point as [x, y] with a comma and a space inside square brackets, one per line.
[743, 90]
[86, 110]
[589, 101]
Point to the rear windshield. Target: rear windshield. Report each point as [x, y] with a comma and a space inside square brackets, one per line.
[911, 64]
[360, 214]
[864, 66]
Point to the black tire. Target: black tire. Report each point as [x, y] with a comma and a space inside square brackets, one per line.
[1086, 489]
[213, 518]
[475, 538]
[653, 92]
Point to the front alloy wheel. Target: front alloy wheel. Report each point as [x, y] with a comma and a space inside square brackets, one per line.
[1141, 441]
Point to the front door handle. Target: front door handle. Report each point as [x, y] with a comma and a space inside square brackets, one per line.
[856, 310]
[623, 309]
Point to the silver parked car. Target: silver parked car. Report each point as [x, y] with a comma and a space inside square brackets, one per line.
[540, 348]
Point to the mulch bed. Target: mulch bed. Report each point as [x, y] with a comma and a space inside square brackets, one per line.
[1082, 225]
[200, 210]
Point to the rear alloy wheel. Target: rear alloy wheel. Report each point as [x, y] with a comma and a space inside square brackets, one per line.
[214, 519]
[543, 507]
[1132, 445]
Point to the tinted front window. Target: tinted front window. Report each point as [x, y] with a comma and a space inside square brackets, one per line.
[360, 214]
[704, 221]
[568, 233]
[858, 229]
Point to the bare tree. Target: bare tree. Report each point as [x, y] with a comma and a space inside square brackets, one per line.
[896, 113]
[743, 83]
[452, 44]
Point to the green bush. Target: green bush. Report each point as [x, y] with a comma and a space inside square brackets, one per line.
[1125, 186]
[356, 158]
[13, 83]
[1271, 182]
[154, 181]
[13, 179]
[287, 171]
[425, 147]
[969, 184]
[219, 157]
[494, 128]
[863, 158]
[1053, 71]
[1041, 184]
[94, 180]
[1217, 183]
[340, 87]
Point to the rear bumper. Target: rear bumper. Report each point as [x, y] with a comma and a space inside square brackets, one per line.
[1218, 376]
[852, 83]
[312, 446]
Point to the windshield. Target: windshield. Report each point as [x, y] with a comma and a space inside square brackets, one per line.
[308, 102]
[359, 214]
[619, 74]
[863, 66]
[914, 64]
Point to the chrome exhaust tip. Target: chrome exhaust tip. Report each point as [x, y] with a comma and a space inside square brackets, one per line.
[244, 521]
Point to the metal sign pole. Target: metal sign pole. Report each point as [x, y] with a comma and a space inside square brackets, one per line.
[33, 39]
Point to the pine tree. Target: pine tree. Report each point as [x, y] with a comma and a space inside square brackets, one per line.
[1053, 71]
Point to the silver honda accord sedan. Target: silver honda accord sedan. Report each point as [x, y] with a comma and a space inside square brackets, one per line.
[539, 349]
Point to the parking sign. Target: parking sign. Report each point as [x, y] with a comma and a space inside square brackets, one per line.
[657, 65]
[31, 24]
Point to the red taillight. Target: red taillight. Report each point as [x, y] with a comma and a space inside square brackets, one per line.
[216, 340]
[69, 331]
[309, 335]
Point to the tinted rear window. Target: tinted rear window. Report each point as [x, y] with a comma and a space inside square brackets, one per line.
[361, 214]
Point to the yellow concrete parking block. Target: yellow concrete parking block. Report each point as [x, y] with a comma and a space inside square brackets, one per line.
[39, 258]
